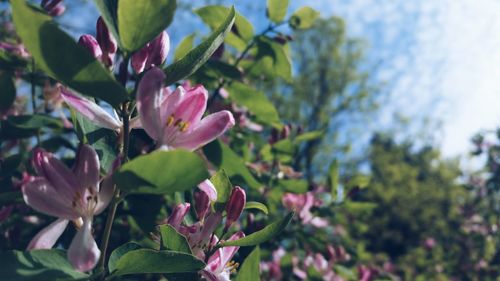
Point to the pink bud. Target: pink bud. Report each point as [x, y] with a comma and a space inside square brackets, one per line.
[139, 59]
[235, 205]
[89, 42]
[105, 38]
[53, 7]
[158, 50]
[202, 204]
[57, 10]
[178, 215]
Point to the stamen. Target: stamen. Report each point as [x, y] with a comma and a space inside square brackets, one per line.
[183, 126]
[170, 120]
[177, 122]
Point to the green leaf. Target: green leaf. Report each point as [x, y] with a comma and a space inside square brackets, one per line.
[162, 172]
[359, 181]
[295, 186]
[56, 53]
[145, 211]
[223, 185]
[119, 252]
[309, 136]
[276, 10]
[250, 269]
[303, 18]
[40, 265]
[152, 261]
[257, 102]
[103, 140]
[35, 121]
[10, 197]
[333, 179]
[173, 240]
[109, 11]
[8, 94]
[272, 59]
[141, 21]
[221, 156]
[256, 205]
[242, 31]
[263, 235]
[184, 47]
[199, 55]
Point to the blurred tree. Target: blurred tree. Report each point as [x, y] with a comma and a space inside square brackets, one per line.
[330, 91]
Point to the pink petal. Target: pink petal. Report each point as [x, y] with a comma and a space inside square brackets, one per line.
[178, 215]
[60, 177]
[192, 107]
[90, 110]
[149, 98]
[47, 237]
[206, 131]
[227, 253]
[158, 50]
[208, 187]
[171, 101]
[139, 59]
[209, 275]
[86, 168]
[43, 197]
[83, 252]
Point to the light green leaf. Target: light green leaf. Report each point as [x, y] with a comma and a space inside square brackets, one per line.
[257, 206]
[119, 252]
[242, 30]
[173, 240]
[141, 21]
[257, 102]
[152, 261]
[8, 93]
[184, 47]
[199, 55]
[333, 179]
[223, 185]
[221, 156]
[263, 235]
[40, 265]
[162, 172]
[303, 18]
[250, 269]
[276, 10]
[56, 53]
[295, 186]
[271, 59]
[309, 136]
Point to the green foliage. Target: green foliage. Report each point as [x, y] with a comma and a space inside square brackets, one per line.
[43, 265]
[147, 174]
[24, 126]
[60, 57]
[276, 10]
[221, 182]
[8, 90]
[151, 261]
[303, 18]
[173, 240]
[250, 269]
[257, 206]
[333, 179]
[195, 58]
[119, 252]
[271, 59]
[184, 47]
[141, 21]
[263, 235]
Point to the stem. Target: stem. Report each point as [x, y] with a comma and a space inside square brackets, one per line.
[33, 95]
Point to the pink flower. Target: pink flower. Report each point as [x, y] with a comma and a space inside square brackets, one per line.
[90, 43]
[153, 54]
[219, 266]
[68, 195]
[174, 120]
[94, 112]
[303, 203]
[106, 41]
[235, 205]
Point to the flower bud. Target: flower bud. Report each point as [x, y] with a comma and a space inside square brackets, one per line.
[139, 59]
[57, 11]
[153, 54]
[106, 40]
[53, 7]
[178, 215]
[202, 204]
[89, 42]
[235, 205]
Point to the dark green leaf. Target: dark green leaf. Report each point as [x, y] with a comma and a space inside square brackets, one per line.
[35, 121]
[8, 93]
[10, 197]
[256, 102]
[141, 21]
[242, 31]
[272, 59]
[224, 158]
[152, 261]
[119, 252]
[40, 265]
[257, 206]
[61, 57]
[303, 18]
[173, 240]
[103, 140]
[184, 47]
[162, 172]
[250, 269]
[145, 211]
[263, 235]
[223, 185]
[276, 10]
[199, 55]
